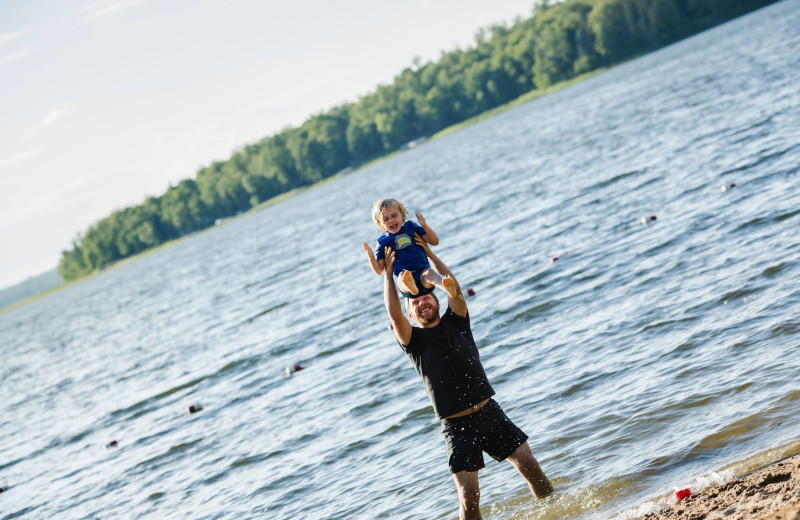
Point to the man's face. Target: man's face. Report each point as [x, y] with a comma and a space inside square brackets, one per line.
[424, 309]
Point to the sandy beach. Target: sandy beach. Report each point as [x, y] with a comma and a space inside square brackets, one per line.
[770, 493]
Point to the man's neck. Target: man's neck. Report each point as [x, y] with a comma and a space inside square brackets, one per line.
[430, 325]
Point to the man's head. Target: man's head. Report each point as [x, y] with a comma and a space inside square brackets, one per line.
[424, 310]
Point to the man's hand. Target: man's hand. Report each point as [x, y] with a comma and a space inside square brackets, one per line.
[422, 243]
[388, 260]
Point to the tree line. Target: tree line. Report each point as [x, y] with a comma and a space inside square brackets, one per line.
[560, 41]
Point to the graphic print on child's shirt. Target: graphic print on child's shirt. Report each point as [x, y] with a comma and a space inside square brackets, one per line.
[402, 241]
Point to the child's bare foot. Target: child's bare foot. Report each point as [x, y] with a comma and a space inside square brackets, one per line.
[407, 283]
[449, 285]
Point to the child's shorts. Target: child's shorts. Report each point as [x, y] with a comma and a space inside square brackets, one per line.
[422, 290]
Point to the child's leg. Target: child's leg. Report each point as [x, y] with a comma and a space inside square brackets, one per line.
[406, 283]
[431, 278]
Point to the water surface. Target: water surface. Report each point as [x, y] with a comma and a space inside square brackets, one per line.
[647, 357]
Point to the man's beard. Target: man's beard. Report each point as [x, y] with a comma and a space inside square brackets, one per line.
[430, 319]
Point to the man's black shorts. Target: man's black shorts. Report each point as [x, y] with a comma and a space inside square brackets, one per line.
[487, 430]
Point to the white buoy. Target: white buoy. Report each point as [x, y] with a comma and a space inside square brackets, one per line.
[296, 368]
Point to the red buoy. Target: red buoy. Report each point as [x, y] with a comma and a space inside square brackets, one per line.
[195, 408]
[471, 292]
[112, 444]
[554, 259]
[296, 368]
[683, 493]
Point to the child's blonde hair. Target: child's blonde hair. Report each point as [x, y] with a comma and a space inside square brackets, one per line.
[386, 202]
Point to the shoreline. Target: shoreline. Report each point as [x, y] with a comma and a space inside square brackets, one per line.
[771, 492]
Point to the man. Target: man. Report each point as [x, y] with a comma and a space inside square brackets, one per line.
[444, 353]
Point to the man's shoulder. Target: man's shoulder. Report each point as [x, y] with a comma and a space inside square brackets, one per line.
[414, 340]
[450, 317]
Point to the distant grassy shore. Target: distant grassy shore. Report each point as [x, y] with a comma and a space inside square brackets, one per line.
[124, 261]
[525, 98]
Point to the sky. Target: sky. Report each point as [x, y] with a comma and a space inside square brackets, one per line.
[103, 103]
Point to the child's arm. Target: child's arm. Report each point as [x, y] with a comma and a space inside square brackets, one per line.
[377, 265]
[430, 235]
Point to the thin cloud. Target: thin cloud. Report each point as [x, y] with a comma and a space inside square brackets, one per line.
[42, 204]
[53, 116]
[10, 36]
[19, 157]
[48, 120]
[106, 7]
[13, 56]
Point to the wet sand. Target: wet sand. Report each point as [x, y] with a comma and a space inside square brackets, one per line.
[770, 493]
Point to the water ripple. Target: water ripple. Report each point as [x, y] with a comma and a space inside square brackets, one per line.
[635, 355]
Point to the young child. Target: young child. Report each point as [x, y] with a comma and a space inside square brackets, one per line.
[411, 267]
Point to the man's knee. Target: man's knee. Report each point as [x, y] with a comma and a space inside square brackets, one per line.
[522, 455]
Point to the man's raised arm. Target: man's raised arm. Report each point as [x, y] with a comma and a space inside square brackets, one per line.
[458, 304]
[400, 324]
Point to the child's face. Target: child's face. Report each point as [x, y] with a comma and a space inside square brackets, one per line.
[392, 219]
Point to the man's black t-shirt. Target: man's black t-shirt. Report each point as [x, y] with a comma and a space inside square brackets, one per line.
[446, 358]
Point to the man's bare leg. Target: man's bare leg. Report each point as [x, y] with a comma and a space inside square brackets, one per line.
[431, 278]
[469, 495]
[406, 283]
[522, 459]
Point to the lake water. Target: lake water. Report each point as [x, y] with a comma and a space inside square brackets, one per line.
[646, 358]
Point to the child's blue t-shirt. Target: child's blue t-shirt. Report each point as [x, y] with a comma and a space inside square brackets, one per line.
[408, 255]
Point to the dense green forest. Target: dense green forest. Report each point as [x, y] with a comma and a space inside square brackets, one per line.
[560, 41]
